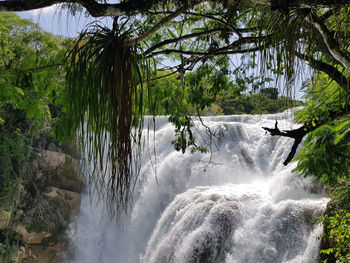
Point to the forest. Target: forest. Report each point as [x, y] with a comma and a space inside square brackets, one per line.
[174, 58]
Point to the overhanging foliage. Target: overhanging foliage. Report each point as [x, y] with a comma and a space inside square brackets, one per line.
[105, 98]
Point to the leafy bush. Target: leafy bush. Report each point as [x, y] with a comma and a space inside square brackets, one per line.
[326, 152]
[6, 251]
[337, 229]
[15, 151]
[30, 84]
[8, 244]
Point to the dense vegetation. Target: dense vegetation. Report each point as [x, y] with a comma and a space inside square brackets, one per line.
[30, 87]
[258, 103]
[326, 155]
[176, 100]
[116, 73]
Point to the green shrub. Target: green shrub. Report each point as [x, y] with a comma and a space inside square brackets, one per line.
[337, 230]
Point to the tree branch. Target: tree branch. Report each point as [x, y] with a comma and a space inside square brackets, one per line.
[237, 31]
[330, 70]
[292, 4]
[331, 43]
[224, 23]
[296, 134]
[97, 9]
[176, 40]
[327, 15]
[229, 49]
[299, 133]
[155, 28]
[208, 53]
[248, 29]
[93, 7]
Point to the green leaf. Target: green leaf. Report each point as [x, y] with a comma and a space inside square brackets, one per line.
[342, 136]
[171, 33]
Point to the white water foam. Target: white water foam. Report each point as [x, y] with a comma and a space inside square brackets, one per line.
[236, 205]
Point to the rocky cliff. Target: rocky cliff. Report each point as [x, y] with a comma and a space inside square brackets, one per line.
[48, 199]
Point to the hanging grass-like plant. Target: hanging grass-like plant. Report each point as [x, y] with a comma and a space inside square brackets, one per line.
[104, 81]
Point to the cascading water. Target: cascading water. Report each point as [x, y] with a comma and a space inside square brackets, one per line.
[236, 205]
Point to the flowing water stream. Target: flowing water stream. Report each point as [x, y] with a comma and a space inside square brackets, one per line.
[236, 205]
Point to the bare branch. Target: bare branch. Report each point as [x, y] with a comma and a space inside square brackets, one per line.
[176, 40]
[224, 23]
[296, 134]
[155, 28]
[232, 48]
[299, 133]
[212, 17]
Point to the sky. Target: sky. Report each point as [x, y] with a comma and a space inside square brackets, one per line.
[59, 22]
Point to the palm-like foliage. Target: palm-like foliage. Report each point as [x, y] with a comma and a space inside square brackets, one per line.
[105, 103]
[284, 37]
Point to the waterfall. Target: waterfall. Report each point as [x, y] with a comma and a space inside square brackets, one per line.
[235, 204]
